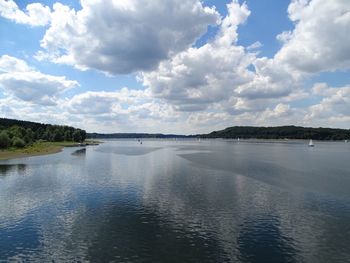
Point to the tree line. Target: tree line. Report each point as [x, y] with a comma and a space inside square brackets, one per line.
[15, 133]
[282, 132]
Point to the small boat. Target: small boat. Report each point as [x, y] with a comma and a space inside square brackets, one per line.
[346, 141]
[311, 144]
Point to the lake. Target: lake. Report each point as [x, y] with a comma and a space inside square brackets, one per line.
[179, 201]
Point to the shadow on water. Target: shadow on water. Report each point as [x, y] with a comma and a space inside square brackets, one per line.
[262, 241]
[128, 150]
[289, 171]
[5, 169]
[130, 232]
[80, 152]
[135, 237]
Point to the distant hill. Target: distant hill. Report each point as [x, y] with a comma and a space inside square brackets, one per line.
[281, 132]
[134, 135]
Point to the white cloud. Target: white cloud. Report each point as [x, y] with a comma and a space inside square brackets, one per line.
[187, 88]
[271, 80]
[284, 37]
[12, 64]
[215, 76]
[102, 102]
[218, 73]
[21, 81]
[198, 77]
[280, 111]
[93, 102]
[334, 107]
[255, 45]
[120, 37]
[134, 109]
[35, 14]
[320, 40]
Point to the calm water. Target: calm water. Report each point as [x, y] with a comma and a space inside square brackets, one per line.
[179, 201]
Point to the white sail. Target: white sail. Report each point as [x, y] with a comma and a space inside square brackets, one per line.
[311, 144]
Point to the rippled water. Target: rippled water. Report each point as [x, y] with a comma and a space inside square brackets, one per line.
[179, 201]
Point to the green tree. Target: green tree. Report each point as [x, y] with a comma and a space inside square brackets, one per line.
[77, 136]
[67, 135]
[29, 137]
[18, 142]
[48, 134]
[38, 134]
[57, 135]
[17, 131]
[4, 140]
[82, 134]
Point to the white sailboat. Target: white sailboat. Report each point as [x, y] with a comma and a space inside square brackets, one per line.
[311, 144]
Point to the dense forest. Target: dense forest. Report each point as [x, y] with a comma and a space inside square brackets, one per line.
[282, 132]
[16, 133]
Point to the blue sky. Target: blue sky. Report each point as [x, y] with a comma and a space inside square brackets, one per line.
[175, 66]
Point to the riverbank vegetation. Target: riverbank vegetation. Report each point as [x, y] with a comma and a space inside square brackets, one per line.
[23, 138]
[20, 134]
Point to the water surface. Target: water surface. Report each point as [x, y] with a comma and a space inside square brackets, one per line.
[179, 201]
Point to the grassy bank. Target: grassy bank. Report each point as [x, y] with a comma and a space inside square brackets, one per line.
[40, 148]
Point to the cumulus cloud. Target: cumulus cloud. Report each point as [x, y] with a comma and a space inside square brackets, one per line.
[217, 76]
[125, 104]
[125, 110]
[102, 102]
[320, 40]
[271, 80]
[188, 87]
[21, 81]
[197, 77]
[255, 45]
[12, 64]
[35, 14]
[333, 107]
[218, 73]
[120, 37]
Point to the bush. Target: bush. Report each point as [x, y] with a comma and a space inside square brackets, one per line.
[18, 142]
[4, 140]
[77, 136]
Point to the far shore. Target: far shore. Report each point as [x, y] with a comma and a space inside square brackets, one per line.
[42, 148]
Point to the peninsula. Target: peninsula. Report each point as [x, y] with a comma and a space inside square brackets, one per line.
[24, 138]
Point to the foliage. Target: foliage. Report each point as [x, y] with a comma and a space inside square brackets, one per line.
[282, 132]
[24, 133]
[5, 140]
[18, 142]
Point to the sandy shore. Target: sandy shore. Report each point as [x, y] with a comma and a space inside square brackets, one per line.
[42, 148]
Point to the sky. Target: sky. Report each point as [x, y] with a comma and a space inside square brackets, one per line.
[175, 66]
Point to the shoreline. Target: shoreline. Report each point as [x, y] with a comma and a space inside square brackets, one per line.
[41, 148]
